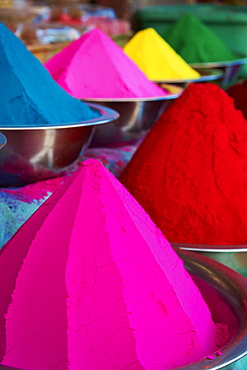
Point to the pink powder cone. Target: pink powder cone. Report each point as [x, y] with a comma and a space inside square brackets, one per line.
[94, 66]
[89, 282]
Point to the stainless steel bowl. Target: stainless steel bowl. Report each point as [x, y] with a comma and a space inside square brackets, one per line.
[38, 153]
[232, 288]
[136, 118]
[206, 75]
[233, 256]
[227, 285]
[230, 69]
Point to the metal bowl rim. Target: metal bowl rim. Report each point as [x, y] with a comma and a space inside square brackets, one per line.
[107, 115]
[223, 63]
[217, 271]
[210, 247]
[211, 75]
[170, 95]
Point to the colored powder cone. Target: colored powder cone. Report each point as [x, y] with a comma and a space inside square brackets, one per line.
[195, 42]
[89, 282]
[156, 58]
[189, 173]
[29, 95]
[94, 66]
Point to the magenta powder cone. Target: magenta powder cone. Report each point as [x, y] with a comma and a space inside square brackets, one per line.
[89, 282]
[94, 66]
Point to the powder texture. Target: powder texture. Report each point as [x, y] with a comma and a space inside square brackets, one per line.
[195, 42]
[239, 94]
[29, 95]
[89, 282]
[94, 66]
[156, 58]
[190, 172]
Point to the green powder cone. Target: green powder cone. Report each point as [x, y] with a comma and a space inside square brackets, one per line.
[195, 42]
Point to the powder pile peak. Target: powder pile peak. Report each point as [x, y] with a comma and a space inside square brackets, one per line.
[195, 42]
[156, 58]
[189, 173]
[89, 282]
[29, 95]
[94, 66]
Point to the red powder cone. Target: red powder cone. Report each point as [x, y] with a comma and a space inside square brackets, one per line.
[190, 172]
[89, 282]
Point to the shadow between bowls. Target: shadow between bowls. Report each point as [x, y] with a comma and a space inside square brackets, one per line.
[37, 153]
[229, 290]
[137, 116]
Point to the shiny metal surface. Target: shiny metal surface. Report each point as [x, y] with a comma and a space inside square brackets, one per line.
[3, 140]
[229, 68]
[233, 256]
[231, 287]
[39, 153]
[136, 118]
[210, 248]
[206, 75]
[239, 61]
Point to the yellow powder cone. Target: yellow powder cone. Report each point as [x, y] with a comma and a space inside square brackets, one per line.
[156, 58]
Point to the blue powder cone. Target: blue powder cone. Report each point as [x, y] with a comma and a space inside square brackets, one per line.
[29, 95]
